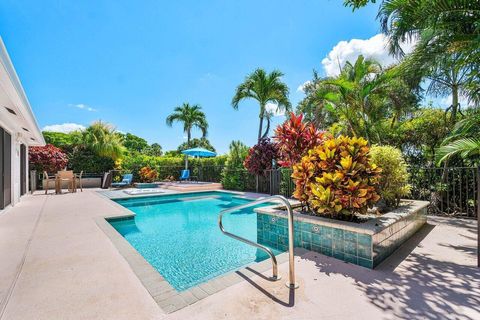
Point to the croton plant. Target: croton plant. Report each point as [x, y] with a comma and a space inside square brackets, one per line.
[294, 138]
[337, 178]
[148, 174]
[261, 157]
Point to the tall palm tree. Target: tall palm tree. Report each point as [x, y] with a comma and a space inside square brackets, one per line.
[263, 87]
[446, 51]
[190, 116]
[103, 139]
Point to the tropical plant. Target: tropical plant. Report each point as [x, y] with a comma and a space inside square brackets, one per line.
[133, 143]
[233, 173]
[58, 139]
[103, 139]
[261, 157]
[172, 153]
[47, 158]
[463, 141]
[337, 178]
[355, 4]
[446, 49]
[264, 88]
[191, 116]
[420, 135]
[147, 174]
[394, 177]
[359, 98]
[294, 138]
[154, 149]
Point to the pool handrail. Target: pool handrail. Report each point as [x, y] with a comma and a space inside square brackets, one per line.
[291, 275]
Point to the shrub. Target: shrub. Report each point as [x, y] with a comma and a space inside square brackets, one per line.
[233, 174]
[294, 138]
[394, 178]
[167, 167]
[148, 174]
[87, 160]
[261, 157]
[337, 178]
[47, 158]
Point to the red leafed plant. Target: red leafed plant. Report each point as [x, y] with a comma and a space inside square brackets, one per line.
[47, 158]
[261, 157]
[294, 138]
[148, 174]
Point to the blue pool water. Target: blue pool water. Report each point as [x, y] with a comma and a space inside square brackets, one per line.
[179, 235]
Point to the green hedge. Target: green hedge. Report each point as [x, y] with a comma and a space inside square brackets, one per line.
[238, 179]
[88, 161]
[205, 169]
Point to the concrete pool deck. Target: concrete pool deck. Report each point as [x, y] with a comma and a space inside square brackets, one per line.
[56, 263]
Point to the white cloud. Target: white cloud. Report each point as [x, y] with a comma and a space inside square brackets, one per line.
[272, 108]
[83, 107]
[301, 88]
[64, 127]
[373, 48]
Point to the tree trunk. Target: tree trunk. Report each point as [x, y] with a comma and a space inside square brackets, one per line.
[454, 103]
[189, 136]
[267, 129]
[260, 126]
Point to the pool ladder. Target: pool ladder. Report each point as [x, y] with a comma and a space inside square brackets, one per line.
[291, 274]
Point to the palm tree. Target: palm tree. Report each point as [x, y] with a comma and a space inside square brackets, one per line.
[359, 97]
[103, 139]
[463, 140]
[465, 147]
[446, 50]
[190, 116]
[265, 88]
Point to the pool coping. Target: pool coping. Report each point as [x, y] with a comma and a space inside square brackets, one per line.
[167, 297]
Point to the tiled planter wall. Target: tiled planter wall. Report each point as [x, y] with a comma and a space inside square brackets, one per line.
[365, 248]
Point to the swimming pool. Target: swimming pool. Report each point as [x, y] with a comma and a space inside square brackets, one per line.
[179, 235]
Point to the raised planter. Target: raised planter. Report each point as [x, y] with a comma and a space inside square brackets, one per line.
[364, 244]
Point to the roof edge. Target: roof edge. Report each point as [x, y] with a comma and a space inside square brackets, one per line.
[12, 74]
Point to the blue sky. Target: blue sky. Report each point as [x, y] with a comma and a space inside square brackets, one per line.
[131, 62]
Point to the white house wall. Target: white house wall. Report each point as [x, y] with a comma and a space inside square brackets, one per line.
[22, 126]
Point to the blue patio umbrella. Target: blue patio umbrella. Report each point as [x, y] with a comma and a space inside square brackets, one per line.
[197, 152]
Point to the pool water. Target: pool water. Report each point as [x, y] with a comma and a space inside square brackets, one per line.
[179, 235]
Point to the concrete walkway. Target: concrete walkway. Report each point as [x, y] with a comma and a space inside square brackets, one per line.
[57, 264]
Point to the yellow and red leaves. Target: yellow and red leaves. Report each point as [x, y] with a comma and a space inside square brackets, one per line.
[337, 176]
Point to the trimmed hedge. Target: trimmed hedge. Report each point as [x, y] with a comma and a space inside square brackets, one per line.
[88, 161]
[205, 169]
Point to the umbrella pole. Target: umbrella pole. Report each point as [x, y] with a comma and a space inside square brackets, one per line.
[186, 162]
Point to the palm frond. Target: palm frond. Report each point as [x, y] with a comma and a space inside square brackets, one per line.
[463, 147]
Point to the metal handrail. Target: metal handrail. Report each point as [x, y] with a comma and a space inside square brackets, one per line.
[291, 275]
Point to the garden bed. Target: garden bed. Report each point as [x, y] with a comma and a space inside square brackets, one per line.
[365, 244]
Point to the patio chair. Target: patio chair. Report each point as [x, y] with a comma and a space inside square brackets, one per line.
[66, 176]
[126, 181]
[78, 178]
[107, 180]
[47, 179]
[185, 175]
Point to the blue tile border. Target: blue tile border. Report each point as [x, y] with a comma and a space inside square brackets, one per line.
[362, 249]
